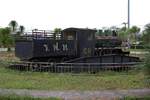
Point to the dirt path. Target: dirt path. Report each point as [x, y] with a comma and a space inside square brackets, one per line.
[79, 95]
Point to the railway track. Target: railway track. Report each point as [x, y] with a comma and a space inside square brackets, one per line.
[71, 67]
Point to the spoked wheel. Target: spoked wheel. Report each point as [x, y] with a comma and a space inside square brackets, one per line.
[52, 67]
[34, 66]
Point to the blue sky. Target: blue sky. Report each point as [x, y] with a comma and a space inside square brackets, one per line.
[48, 14]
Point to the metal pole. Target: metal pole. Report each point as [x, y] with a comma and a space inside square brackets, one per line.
[128, 13]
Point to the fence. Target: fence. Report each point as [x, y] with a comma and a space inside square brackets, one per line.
[71, 67]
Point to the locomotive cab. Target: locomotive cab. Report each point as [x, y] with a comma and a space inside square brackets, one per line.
[85, 40]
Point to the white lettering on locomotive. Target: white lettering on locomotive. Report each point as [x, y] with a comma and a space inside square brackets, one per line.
[46, 47]
[65, 47]
[55, 47]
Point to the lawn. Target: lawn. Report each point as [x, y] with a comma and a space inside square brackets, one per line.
[137, 98]
[141, 53]
[52, 81]
[15, 97]
[138, 50]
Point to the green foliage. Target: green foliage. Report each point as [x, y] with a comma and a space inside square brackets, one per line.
[137, 98]
[146, 42]
[6, 39]
[147, 63]
[13, 24]
[19, 32]
[56, 32]
[21, 29]
[134, 29]
[123, 33]
[131, 33]
[146, 36]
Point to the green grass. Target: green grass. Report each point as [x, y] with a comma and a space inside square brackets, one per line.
[137, 98]
[141, 53]
[15, 97]
[49, 81]
[138, 50]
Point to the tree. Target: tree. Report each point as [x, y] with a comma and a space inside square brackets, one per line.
[56, 32]
[6, 38]
[133, 33]
[1, 38]
[146, 42]
[123, 33]
[13, 24]
[21, 29]
[147, 63]
[146, 36]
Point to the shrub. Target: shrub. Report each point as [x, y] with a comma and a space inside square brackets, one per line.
[147, 64]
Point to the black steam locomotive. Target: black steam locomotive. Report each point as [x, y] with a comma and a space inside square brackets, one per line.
[71, 45]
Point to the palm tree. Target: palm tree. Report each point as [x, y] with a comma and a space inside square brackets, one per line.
[123, 33]
[13, 24]
[134, 31]
[21, 29]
